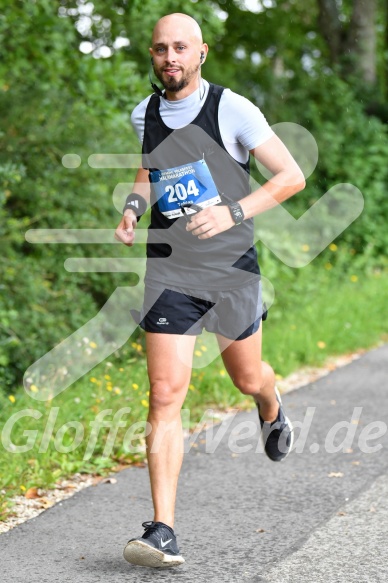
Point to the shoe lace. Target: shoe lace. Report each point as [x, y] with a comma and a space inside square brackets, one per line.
[149, 527]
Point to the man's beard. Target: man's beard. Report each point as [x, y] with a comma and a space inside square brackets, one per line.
[173, 84]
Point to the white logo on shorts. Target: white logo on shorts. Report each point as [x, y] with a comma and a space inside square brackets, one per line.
[163, 321]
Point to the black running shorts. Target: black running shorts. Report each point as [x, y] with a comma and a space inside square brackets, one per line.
[235, 314]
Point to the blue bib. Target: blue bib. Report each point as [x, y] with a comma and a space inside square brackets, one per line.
[190, 183]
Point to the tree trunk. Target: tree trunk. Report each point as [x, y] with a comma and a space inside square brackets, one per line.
[354, 45]
[361, 39]
[331, 27]
[385, 71]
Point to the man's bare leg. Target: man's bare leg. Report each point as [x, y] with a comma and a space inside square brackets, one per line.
[252, 376]
[169, 381]
[242, 358]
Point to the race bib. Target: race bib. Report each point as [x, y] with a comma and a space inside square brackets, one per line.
[190, 183]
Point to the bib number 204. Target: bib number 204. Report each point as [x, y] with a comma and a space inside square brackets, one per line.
[180, 192]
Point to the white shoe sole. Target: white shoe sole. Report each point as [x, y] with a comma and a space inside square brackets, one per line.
[139, 553]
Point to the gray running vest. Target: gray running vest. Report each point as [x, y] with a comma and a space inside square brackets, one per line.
[174, 255]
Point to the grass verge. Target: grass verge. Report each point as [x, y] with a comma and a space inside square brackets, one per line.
[322, 313]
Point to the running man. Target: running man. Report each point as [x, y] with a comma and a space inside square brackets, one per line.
[202, 269]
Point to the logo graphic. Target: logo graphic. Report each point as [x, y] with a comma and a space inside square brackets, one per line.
[295, 242]
[164, 543]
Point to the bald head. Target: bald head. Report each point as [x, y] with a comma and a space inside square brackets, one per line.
[178, 53]
[178, 22]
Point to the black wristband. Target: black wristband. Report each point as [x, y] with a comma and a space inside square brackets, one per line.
[236, 212]
[137, 203]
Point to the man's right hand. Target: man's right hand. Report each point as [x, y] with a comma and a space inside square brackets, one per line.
[125, 231]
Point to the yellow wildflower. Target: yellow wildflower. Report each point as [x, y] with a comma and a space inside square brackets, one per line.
[333, 247]
[11, 398]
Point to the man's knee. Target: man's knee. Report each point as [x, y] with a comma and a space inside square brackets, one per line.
[251, 382]
[248, 384]
[165, 394]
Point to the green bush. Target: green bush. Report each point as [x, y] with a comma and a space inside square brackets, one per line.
[353, 148]
[65, 103]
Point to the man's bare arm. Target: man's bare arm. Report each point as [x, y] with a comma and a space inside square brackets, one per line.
[286, 181]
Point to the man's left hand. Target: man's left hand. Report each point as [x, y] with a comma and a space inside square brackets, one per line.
[210, 221]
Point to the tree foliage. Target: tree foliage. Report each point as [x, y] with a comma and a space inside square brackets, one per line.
[53, 102]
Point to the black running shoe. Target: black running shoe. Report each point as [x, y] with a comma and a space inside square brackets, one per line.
[156, 548]
[277, 436]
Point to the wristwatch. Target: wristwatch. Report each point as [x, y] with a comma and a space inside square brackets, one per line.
[236, 212]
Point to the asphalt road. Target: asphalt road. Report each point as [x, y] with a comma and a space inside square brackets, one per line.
[319, 516]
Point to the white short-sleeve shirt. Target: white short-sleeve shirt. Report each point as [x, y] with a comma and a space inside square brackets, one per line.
[242, 124]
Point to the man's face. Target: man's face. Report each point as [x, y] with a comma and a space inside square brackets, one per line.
[176, 52]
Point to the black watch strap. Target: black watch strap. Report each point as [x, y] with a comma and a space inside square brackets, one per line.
[236, 212]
